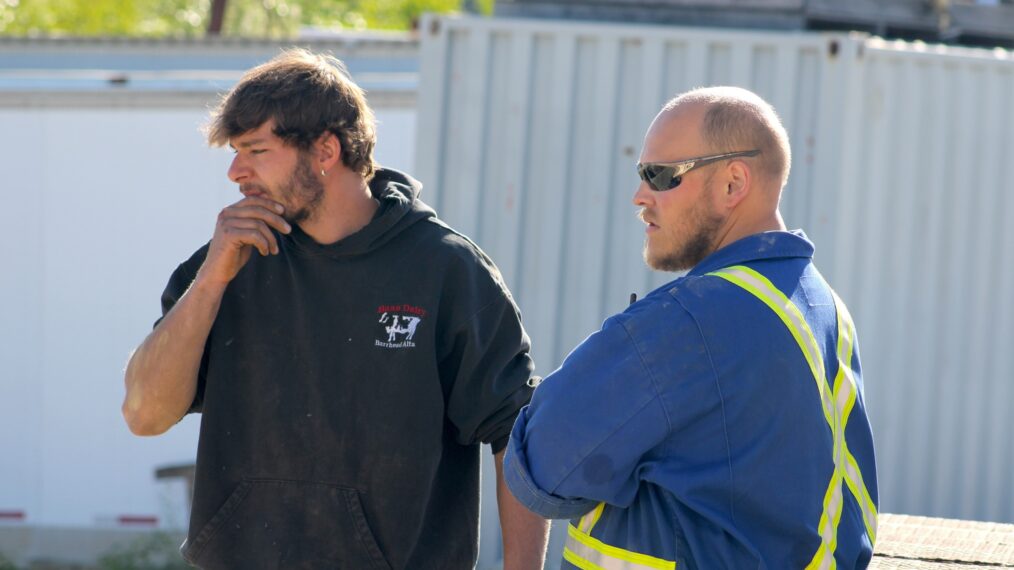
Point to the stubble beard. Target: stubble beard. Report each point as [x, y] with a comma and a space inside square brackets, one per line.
[702, 231]
[303, 192]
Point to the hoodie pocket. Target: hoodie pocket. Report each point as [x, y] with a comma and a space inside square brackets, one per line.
[268, 523]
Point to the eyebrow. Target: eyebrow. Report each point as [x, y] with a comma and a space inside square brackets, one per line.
[249, 143]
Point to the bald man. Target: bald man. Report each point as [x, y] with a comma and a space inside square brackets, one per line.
[720, 421]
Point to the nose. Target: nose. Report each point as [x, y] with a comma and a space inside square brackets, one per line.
[643, 196]
[238, 170]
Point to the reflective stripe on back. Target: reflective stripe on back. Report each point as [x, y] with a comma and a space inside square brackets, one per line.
[853, 476]
[760, 287]
[590, 553]
[836, 403]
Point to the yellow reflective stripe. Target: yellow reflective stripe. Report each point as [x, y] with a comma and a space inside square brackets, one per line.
[853, 475]
[587, 522]
[581, 563]
[587, 553]
[828, 525]
[846, 330]
[793, 319]
[854, 479]
[837, 404]
[844, 400]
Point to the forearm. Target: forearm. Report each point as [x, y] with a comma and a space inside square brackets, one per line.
[525, 534]
[161, 376]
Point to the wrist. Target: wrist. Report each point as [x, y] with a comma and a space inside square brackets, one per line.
[208, 284]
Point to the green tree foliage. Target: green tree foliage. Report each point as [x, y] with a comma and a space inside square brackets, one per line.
[66, 16]
[251, 18]
[375, 14]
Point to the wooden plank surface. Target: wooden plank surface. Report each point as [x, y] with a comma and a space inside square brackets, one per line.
[911, 542]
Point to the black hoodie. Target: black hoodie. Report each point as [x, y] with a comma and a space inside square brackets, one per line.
[344, 391]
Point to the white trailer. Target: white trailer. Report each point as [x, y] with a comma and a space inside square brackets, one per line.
[109, 185]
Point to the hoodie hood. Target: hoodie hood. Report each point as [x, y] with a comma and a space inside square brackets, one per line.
[400, 207]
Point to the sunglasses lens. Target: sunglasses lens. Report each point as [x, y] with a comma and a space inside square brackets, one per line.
[660, 178]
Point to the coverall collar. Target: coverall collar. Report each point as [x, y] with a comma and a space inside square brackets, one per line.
[765, 245]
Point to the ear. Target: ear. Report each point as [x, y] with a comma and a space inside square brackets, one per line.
[329, 151]
[738, 184]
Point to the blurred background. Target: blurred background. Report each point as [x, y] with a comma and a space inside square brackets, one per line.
[523, 120]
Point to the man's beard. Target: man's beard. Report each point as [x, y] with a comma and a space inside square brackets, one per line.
[698, 244]
[303, 189]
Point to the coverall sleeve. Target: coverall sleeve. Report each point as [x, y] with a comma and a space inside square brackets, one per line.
[582, 439]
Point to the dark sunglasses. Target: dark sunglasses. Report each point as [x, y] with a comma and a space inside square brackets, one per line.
[662, 176]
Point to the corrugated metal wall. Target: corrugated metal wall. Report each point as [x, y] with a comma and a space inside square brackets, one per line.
[529, 131]
[923, 252]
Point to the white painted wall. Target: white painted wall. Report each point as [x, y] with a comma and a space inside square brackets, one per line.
[100, 206]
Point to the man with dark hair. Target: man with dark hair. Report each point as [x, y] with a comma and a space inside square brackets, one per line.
[346, 373]
[720, 421]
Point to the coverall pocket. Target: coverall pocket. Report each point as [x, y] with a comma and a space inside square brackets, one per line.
[270, 523]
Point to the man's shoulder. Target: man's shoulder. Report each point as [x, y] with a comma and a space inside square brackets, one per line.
[452, 246]
[689, 294]
[659, 313]
[447, 237]
[692, 301]
[734, 300]
[786, 274]
[466, 270]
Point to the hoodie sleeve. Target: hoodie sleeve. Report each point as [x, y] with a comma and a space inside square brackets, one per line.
[179, 283]
[486, 363]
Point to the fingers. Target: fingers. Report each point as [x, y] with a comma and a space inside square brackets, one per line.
[246, 231]
[258, 209]
[249, 222]
[240, 228]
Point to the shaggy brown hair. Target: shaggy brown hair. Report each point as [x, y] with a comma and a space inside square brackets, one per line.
[307, 95]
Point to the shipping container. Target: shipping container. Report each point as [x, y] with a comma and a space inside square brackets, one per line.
[529, 130]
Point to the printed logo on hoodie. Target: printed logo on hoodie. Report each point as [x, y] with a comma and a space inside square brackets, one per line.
[397, 325]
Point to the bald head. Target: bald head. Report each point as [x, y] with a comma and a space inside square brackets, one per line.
[734, 119]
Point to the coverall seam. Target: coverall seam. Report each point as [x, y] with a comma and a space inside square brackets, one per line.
[721, 401]
[651, 375]
[627, 421]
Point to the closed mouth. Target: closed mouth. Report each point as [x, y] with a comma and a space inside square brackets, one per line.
[250, 192]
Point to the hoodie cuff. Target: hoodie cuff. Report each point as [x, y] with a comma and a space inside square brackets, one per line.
[498, 445]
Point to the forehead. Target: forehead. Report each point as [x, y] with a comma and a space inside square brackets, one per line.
[263, 133]
[674, 135]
